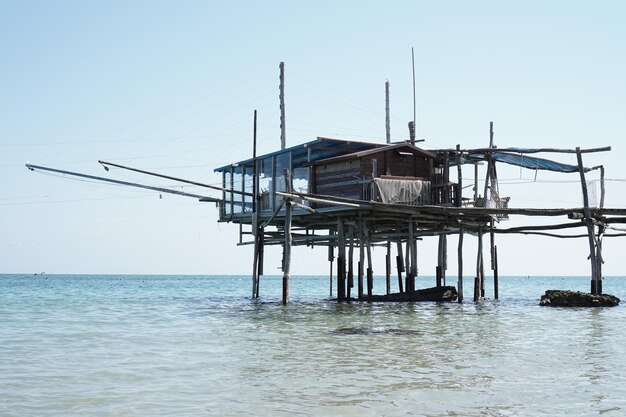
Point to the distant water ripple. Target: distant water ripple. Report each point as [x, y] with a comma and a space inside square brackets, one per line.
[198, 346]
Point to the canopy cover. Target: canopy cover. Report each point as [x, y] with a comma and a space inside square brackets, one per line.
[526, 161]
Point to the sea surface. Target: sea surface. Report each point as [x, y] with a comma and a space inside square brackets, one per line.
[103, 345]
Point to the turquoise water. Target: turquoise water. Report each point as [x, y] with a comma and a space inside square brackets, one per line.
[198, 346]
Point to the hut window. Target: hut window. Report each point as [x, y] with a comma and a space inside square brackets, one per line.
[265, 183]
[301, 179]
[282, 161]
[228, 208]
[238, 186]
[247, 188]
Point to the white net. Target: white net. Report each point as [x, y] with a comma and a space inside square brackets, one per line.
[395, 191]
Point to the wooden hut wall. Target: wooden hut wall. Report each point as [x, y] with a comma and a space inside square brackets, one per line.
[339, 178]
[394, 163]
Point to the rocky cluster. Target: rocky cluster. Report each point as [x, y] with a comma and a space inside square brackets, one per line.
[564, 298]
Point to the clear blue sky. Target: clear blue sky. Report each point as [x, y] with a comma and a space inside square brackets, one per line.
[171, 87]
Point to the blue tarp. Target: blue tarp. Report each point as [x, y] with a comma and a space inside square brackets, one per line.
[526, 162]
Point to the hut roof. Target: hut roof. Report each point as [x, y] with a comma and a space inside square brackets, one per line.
[396, 146]
[320, 148]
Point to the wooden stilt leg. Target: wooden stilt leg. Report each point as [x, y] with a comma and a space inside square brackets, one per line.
[399, 266]
[260, 261]
[370, 273]
[350, 264]
[460, 266]
[361, 259]
[341, 263]
[388, 269]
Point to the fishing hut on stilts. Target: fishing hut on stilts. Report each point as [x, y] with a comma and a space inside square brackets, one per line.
[351, 196]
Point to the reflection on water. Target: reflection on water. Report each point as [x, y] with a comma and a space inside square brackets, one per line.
[189, 346]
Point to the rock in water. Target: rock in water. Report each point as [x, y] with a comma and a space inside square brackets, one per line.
[565, 298]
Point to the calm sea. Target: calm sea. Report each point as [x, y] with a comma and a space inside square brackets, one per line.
[91, 345]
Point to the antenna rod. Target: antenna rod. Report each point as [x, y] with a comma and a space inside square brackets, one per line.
[283, 138]
[387, 121]
[130, 184]
[414, 102]
[199, 184]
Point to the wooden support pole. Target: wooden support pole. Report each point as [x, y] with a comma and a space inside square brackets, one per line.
[388, 269]
[341, 263]
[413, 258]
[475, 182]
[599, 259]
[477, 280]
[374, 175]
[283, 134]
[261, 254]
[460, 265]
[495, 273]
[255, 214]
[287, 244]
[407, 262]
[459, 171]
[482, 268]
[387, 118]
[361, 259]
[441, 261]
[350, 263]
[399, 266]
[255, 260]
[489, 163]
[370, 272]
[330, 279]
[331, 258]
[595, 278]
[494, 259]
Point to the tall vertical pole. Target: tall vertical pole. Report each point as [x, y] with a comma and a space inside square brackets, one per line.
[414, 100]
[595, 278]
[475, 182]
[387, 116]
[489, 162]
[460, 264]
[254, 168]
[283, 136]
[287, 247]
[255, 227]
[459, 171]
